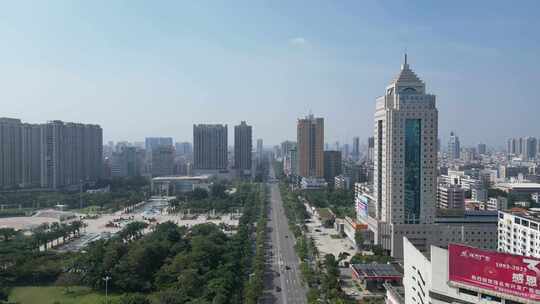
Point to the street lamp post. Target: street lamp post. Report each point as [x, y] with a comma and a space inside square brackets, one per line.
[106, 279]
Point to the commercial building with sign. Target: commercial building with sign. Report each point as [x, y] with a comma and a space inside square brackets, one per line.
[475, 228]
[468, 275]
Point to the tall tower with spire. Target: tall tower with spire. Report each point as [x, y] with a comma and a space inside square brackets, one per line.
[405, 162]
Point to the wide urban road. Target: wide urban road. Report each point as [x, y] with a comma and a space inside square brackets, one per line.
[283, 283]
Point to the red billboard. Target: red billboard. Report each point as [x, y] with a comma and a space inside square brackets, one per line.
[500, 272]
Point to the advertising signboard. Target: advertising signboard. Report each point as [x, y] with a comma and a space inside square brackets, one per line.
[500, 272]
[362, 206]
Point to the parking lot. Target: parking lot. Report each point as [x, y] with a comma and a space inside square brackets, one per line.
[326, 243]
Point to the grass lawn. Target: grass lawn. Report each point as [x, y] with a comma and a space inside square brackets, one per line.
[50, 295]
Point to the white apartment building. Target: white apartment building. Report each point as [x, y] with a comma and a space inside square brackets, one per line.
[479, 194]
[451, 197]
[519, 232]
[460, 178]
[497, 203]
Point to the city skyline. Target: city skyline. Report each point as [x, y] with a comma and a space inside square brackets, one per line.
[272, 152]
[211, 60]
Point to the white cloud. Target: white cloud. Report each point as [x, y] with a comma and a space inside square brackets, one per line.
[298, 41]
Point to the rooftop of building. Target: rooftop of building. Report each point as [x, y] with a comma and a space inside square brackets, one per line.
[180, 178]
[532, 214]
[406, 75]
[376, 271]
[453, 216]
[520, 185]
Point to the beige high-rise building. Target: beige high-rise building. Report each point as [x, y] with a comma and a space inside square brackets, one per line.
[405, 161]
[310, 133]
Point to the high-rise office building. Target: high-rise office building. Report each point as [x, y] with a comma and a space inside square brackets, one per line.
[454, 148]
[371, 149]
[184, 149]
[332, 165]
[310, 138]
[405, 157]
[162, 163]
[243, 148]
[511, 146]
[519, 146]
[210, 147]
[154, 142]
[125, 163]
[290, 162]
[356, 148]
[346, 151]
[482, 149]
[528, 151]
[286, 146]
[260, 148]
[525, 147]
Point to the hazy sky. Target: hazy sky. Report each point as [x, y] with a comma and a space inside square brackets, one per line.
[153, 68]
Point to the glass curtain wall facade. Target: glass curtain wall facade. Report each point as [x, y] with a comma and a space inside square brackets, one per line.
[413, 167]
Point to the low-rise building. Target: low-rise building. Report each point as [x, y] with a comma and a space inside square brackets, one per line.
[479, 194]
[342, 182]
[375, 276]
[313, 183]
[467, 182]
[497, 203]
[351, 226]
[523, 189]
[450, 197]
[475, 228]
[170, 185]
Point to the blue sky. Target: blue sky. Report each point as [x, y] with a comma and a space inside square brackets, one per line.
[150, 68]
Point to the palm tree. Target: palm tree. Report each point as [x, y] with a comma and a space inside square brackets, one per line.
[54, 232]
[7, 233]
[41, 235]
[76, 227]
[64, 229]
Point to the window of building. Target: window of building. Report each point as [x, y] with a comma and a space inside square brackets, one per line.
[490, 298]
